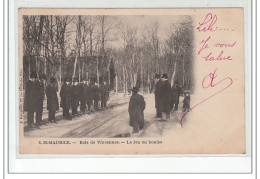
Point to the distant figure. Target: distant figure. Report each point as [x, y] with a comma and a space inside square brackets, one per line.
[52, 100]
[136, 111]
[30, 99]
[96, 97]
[156, 94]
[164, 98]
[82, 95]
[89, 96]
[186, 101]
[104, 94]
[65, 94]
[75, 97]
[176, 92]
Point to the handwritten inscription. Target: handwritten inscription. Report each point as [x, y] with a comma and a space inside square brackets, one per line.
[208, 24]
[212, 51]
[209, 82]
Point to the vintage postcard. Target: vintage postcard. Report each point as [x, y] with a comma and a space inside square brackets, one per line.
[131, 81]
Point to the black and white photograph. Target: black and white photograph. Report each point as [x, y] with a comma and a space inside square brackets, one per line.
[140, 75]
[105, 76]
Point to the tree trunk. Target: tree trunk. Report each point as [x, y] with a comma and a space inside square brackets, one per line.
[124, 83]
[174, 72]
[75, 66]
[97, 71]
[116, 88]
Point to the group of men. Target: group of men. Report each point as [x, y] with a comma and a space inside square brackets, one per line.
[167, 97]
[34, 97]
[72, 96]
[84, 95]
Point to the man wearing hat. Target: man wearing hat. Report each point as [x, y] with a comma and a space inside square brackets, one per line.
[65, 94]
[30, 101]
[176, 92]
[96, 95]
[156, 94]
[89, 95]
[164, 98]
[52, 100]
[40, 85]
[82, 93]
[136, 111]
[104, 94]
[75, 97]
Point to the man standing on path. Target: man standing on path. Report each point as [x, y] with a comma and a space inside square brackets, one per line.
[52, 100]
[136, 111]
[40, 85]
[156, 94]
[30, 101]
[89, 96]
[104, 93]
[96, 95]
[176, 92]
[65, 94]
[164, 98]
[75, 97]
[82, 94]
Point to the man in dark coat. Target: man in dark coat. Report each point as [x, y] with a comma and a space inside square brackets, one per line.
[176, 92]
[40, 85]
[104, 94]
[52, 100]
[156, 94]
[164, 98]
[89, 96]
[136, 111]
[96, 95]
[186, 101]
[82, 95]
[30, 101]
[75, 97]
[65, 94]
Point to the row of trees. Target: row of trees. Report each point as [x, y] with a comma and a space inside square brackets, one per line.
[60, 46]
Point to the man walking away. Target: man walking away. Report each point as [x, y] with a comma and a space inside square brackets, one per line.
[65, 102]
[164, 98]
[30, 101]
[136, 111]
[52, 100]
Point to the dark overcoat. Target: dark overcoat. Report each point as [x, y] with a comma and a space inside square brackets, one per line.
[82, 92]
[88, 93]
[136, 109]
[52, 98]
[95, 92]
[186, 102]
[40, 94]
[75, 94]
[176, 92]
[104, 91]
[30, 101]
[164, 97]
[156, 92]
[65, 94]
